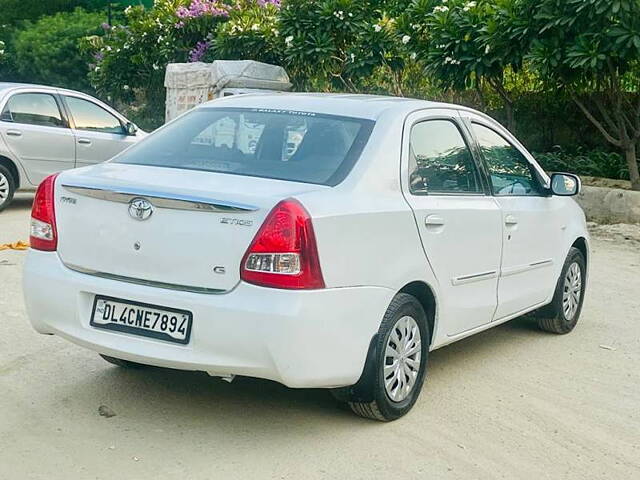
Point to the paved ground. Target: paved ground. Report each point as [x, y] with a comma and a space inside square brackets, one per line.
[509, 403]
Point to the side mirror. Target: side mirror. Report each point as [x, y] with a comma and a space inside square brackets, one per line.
[565, 184]
[130, 129]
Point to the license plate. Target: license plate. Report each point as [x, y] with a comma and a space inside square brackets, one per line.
[163, 323]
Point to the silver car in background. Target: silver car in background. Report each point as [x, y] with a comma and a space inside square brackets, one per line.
[44, 130]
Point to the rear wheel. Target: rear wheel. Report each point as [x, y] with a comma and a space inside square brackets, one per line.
[122, 363]
[7, 187]
[397, 364]
[562, 314]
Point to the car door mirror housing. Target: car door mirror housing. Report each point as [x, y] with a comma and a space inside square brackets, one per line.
[130, 128]
[565, 184]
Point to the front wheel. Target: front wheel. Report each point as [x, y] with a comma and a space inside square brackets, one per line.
[562, 314]
[398, 364]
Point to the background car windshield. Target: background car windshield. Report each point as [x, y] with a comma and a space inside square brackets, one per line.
[296, 146]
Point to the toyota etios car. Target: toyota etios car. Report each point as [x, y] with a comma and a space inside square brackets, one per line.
[44, 130]
[315, 240]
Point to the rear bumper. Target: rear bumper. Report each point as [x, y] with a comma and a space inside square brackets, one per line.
[299, 338]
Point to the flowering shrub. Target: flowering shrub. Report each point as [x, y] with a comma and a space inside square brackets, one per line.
[463, 45]
[337, 43]
[252, 32]
[128, 61]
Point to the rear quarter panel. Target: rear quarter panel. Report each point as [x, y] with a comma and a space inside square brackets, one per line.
[366, 232]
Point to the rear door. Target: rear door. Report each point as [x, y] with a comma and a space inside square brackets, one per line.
[532, 230]
[99, 134]
[460, 224]
[37, 132]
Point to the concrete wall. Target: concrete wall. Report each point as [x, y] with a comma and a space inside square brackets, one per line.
[610, 205]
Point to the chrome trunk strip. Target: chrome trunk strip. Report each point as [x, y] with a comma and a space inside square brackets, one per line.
[160, 199]
[148, 283]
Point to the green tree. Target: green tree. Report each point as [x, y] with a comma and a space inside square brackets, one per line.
[337, 44]
[251, 33]
[47, 51]
[591, 49]
[463, 45]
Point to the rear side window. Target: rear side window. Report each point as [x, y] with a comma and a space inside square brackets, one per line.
[89, 116]
[33, 109]
[511, 173]
[440, 161]
[296, 146]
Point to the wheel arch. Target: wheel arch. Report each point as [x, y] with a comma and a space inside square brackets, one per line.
[12, 167]
[427, 298]
[581, 244]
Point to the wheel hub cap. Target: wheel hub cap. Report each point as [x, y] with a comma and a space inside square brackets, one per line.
[402, 359]
[4, 188]
[572, 291]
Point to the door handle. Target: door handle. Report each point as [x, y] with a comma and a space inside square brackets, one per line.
[84, 141]
[510, 220]
[14, 133]
[434, 220]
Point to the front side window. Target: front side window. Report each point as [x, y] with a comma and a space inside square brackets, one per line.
[511, 173]
[89, 116]
[33, 109]
[297, 146]
[440, 161]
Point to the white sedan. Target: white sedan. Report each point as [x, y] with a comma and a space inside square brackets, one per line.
[312, 239]
[44, 130]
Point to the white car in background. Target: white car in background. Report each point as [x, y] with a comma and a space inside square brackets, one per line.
[44, 130]
[355, 236]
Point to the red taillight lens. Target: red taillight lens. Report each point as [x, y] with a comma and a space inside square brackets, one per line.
[284, 253]
[44, 235]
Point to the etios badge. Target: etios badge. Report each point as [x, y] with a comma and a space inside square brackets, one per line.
[140, 209]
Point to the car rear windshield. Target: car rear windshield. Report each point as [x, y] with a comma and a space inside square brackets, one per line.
[280, 144]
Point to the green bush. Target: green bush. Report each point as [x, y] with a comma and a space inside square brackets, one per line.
[594, 163]
[15, 11]
[130, 60]
[47, 51]
[251, 33]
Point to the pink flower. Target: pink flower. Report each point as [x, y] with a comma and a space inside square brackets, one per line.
[196, 54]
[199, 8]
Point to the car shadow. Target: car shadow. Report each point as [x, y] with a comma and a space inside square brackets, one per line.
[21, 201]
[152, 395]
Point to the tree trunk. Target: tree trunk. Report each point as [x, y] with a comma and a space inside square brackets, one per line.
[632, 163]
[511, 120]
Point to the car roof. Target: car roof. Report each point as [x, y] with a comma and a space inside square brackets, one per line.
[353, 105]
[6, 86]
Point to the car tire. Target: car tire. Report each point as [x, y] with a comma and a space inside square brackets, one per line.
[562, 314]
[7, 187]
[121, 363]
[404, 322]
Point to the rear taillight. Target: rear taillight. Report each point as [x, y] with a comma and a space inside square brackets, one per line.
[284, 253]
[44, 235]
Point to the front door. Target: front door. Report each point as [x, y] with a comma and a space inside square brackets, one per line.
[460, 224]
[531, 229]
[36, 132]
[100, 135]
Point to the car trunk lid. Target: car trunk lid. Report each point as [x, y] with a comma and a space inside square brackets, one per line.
[171, 228]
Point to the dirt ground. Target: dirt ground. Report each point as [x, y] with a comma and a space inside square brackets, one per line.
[510, 403]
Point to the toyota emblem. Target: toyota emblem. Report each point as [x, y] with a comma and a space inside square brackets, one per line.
[140, 209]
